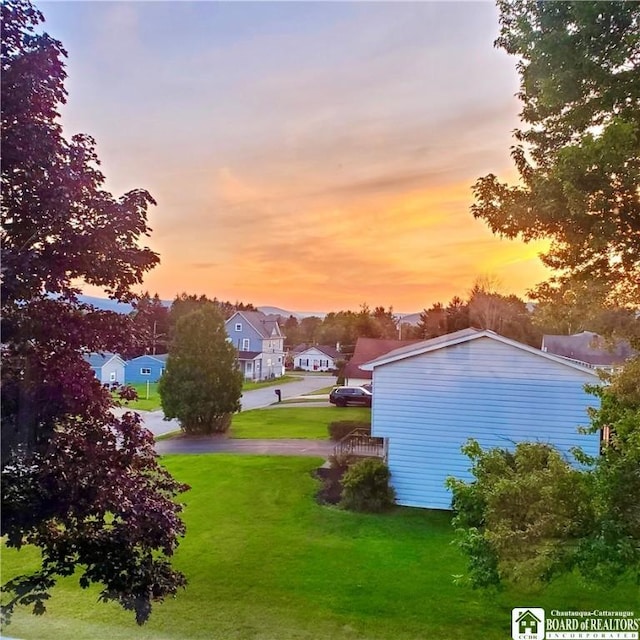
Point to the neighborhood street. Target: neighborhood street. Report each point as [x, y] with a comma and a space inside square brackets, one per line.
[255, 399]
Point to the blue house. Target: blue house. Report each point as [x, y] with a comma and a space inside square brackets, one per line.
[432, 396]
[145, 368]
[259, 342]
[107, 367]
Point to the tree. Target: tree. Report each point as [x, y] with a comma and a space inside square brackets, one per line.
[506, 315]
[578, 154]
[530, 515]
[521, 516]
[151, 325]
[81, 485]
[202, 384]
[433, 322]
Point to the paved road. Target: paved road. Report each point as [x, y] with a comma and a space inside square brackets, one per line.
[216, 444]
[256, 399]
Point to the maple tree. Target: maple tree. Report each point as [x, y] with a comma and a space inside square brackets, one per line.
[82, 485]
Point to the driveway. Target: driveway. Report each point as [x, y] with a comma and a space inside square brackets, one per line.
[255, 399]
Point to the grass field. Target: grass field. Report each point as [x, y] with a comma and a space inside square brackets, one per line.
[153, 403]
[142, 403]
[265, 562]
[250, 385]
[292, 422]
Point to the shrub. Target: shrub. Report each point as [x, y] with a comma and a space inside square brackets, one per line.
[365, 487]
[342, 460]
[341, 428]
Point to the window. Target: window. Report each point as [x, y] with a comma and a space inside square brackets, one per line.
[112, 376]
[279, 359]
[238, 326]
[245, 344]
[145, 371]
[161, 370]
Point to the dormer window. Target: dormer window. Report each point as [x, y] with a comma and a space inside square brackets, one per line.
[238, 326]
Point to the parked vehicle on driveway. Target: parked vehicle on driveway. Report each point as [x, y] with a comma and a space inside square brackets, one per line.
[344, 396]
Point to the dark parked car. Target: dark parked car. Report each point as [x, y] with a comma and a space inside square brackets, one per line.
[343, 396]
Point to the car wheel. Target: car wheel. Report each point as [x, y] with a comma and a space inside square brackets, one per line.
[341, 403]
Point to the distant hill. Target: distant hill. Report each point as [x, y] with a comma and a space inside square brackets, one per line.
[277, 311]
[411, 318]
[106, 304]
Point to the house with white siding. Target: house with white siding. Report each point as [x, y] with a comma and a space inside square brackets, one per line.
[432, 396]
[319, 357]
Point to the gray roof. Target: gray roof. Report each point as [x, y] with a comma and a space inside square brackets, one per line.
[328, 350]
[264, 324]
[98, 360]
[162, 357]
[465, 335]
[248, 355]
[588, 347]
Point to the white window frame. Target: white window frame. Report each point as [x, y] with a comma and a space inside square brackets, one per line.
[145, 371]
[238, 326]
[245, 344]
[112, 376]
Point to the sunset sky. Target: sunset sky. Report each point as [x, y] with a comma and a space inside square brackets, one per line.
[312, 156]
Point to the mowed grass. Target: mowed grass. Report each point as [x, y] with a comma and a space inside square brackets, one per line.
[293, 422]
[152, 403]
[249, 385]
[265, 562]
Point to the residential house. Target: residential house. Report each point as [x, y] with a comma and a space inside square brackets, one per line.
[259, 342]
[316, 358]
[589, 348]
[432, 396]
[108, 367]
[367, 349]
[146, 368]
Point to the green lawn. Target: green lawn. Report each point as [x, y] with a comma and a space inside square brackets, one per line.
[265, 562]
[153, 403]
[293, 422]
[142, 403]
[323, 391]
[250, 385]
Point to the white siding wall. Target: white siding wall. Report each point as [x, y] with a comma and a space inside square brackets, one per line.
[305, 360]
[429, 405]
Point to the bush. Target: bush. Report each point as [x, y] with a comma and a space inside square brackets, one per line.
[341, 428]
[365, 487]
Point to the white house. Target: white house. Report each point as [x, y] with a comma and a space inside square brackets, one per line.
[432, 396]
[316, 358]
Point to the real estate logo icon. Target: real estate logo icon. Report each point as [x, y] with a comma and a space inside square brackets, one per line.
[527, 623]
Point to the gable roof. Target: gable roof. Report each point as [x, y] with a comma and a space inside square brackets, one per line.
[369, 349]
[266, 325]
[98, 360]
[329, 351]
[160, 357]
[588, 347]
[466, 335]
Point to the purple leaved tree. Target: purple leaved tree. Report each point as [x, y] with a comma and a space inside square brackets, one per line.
[78, 483]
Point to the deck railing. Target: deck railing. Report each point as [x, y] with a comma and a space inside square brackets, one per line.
[360, 443]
